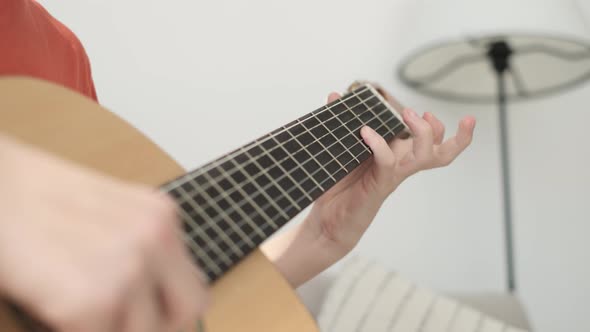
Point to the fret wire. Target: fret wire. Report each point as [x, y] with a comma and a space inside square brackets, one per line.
[310, 175]
[390, 130]
[290, 207]
[384, 101]
[344, 125]
[196, 249]
[223, 214]
[260, 189]
[305, 170]
[328, 133]
[360, 142]
[317, 112]
[270, 136]
[288, 172]
[365, 148]
[203, 233]
[237, 208]
[247, 197]
[249, 235]
[234, 207]
[321, 110]
[217, 251]
[313, 157]
[246, 218]
[226, 194]
[322, 144]
[275, 182]
[378, 117]
[339, 140]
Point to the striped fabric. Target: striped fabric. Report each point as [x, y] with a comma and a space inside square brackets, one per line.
[368, 298]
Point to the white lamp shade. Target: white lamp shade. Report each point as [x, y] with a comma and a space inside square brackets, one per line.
[450, 39]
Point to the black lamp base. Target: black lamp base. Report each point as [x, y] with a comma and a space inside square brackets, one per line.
[499, 54]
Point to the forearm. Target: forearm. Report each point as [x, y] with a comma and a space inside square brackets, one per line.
[300, 255]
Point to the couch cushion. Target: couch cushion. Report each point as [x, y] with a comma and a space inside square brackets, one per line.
[367, 297]
[504, 307]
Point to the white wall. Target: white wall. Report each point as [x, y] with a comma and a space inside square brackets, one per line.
[203, 77]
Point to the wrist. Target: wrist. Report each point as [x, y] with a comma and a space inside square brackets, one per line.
[300, 254]
[325, 242]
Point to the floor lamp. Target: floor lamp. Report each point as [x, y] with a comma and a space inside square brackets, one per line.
[497, 51]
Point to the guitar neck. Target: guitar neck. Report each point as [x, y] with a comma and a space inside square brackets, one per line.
[234, 203]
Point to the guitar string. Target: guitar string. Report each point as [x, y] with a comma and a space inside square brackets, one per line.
[240, 243]
[266, 206]
[326, 108]
[268, 137]
[314, 114]
[220, 212]
[190, 179]
[197, 229]
[224, 194]
[217, 218]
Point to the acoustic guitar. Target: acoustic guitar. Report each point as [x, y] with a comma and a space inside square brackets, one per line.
[229, 206]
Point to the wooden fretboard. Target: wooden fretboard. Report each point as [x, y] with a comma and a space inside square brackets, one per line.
[234, 203]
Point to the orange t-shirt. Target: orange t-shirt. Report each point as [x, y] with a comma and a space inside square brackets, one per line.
[33, 43]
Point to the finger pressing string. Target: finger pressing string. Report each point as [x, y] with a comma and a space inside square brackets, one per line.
[382, 154]
[333, 96]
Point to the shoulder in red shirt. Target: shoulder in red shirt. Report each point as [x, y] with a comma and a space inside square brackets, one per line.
[33, 43]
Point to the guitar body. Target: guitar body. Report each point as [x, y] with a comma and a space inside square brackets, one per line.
[252, 297]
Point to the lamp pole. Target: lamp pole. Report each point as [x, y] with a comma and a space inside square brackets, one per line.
[499, 53]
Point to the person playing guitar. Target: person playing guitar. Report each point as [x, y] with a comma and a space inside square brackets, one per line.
[112, 260]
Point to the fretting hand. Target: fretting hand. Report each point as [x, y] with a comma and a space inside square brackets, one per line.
[345, 211]
[341, 216]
